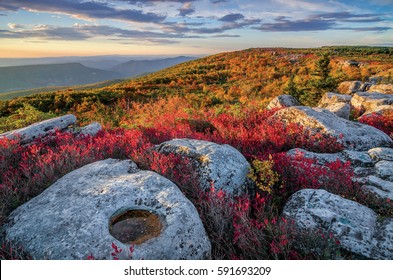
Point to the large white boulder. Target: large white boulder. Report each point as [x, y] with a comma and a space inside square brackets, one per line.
[40, 129]
[357, 227]
[73, 218]
[353, 135]
[366, 102]
[222, 165]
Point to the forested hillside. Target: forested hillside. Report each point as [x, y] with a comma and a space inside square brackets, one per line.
[225, 82]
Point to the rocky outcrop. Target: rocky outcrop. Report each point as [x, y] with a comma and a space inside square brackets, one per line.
[222, 165]
[45, 128]
[283, 101]
[382, 88]
[353, 136]
[350, 87]
[41, 129]
[336, 103]
[76, 216]
[357, 227]
[366, 102]
[331, 98]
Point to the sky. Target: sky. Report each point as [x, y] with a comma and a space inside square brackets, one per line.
[48, 28]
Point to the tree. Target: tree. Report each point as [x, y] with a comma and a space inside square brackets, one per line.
[321, 83]
[292, 89]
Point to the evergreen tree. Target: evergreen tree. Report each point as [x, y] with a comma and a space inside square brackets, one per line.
[322, 82]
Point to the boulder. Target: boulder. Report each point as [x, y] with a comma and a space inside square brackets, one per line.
[283, 101]
[358, 159]
[91, 129]
[320, 158]
[357, 227]
[384, 170]
[350, 87]
[379, 187]
[82, 212]
[381, 153]
[367, 102]
[330, 98]
[222, 165]
[382, 88]
[382, 110]
[41, 129]
[353, 136]
[341, 109]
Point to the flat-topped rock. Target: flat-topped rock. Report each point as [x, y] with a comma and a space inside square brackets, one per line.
[349, 87]
[357, 227]
[106, 202]
[382, 88]
[222, 165]
[91, 129]
[330, 98]
[366, 102]
[320, 158]
[283, 101]
[40, 129]
[353, 135]
[379, 187]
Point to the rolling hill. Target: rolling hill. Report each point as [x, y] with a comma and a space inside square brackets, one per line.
[134, 68]
[15, 78]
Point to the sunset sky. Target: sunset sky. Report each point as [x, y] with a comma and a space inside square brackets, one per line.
[42, 28]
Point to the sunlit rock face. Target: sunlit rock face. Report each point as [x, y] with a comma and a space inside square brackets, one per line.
[109, 201]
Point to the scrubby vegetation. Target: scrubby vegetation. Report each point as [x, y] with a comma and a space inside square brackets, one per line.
[221, 99]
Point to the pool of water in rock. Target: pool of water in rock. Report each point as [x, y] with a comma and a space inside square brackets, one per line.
[135, 226]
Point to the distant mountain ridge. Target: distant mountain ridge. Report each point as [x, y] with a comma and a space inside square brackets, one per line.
[19, 78]
[15, 78]
[134, 68]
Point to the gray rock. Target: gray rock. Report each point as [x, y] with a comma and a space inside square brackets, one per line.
[384, 170]
[341, 109]
[379, 187]
[382, 88]
[349, 87]
[381, 153]
[367, 102]
[361, 172]
[223, 165]
[356, 226]
[70, 219]
[40, 129]
[330, 98]
[357, 159]
[91, 129]
[382, 241]
[321, 158]
[380, 110]
[353, 136]
[283, 101]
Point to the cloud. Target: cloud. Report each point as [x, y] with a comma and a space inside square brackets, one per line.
[231, 17]
[85, 32]
[186, 9]
[88, 9]
[326, 21]
[15, 26]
